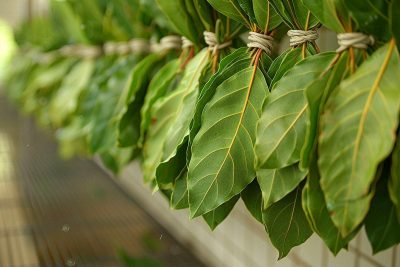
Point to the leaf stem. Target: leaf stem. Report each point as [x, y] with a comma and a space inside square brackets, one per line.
[215, 62]
[303, 50]
[351, 52]
[256, 59]
[188, 58]
[268, 18]
[228, 27]
[333, 63]
[352, 60]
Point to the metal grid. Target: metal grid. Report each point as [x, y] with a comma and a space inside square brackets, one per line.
[56, 213]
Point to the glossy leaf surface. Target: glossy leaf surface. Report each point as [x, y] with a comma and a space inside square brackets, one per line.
[275, 184]
[357, 134]
[172, 110]
[286, 223]
[317, 213]
[222, 152]
[282, 129]
[382, 224]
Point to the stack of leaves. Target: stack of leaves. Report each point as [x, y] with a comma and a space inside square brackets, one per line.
[309, 141]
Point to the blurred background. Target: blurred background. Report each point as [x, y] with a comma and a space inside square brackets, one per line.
[74, 213]
[66, 213]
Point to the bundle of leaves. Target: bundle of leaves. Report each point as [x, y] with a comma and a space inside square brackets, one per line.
[308, 140]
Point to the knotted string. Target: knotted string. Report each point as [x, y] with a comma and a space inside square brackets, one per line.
[298, 37]
[134, 46]
[186, 43]
[139, 46]
[212, 41]
[354, 39]
[109, 48]
[170, 42]
[80, 51]
[261, 41]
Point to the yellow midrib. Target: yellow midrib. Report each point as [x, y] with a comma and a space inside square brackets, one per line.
[240, 13]
[235, 135]
[363, 118]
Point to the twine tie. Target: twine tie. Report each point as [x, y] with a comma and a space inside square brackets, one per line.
[354, 39]
[212, 41]
[261, 41]
[186, 43]
[299, 37]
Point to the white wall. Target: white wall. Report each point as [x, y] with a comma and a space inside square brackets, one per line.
[242, 242]
[14, 11]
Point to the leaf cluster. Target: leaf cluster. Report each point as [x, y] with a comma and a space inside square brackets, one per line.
[309, 141]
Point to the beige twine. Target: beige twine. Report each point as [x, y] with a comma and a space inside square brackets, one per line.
[186, 43]
[299, 37]
[134, 46]
[170, 42]
[261, 41]
[212, 41]
[80, 51]
[354, 39]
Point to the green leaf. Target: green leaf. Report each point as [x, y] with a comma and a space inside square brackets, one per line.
[173, 169]
[282, 128]
[304, 17]
[204, 10]
[314, 206]
[69, 21]
[18, 75]
[131, 101]
[176, 12]
[286, 223]
[179, 198]
[394, 21]
[326, 12]
[381, 224]
[160, 84]
[65, 101]
[75, 137]
[294, 14]
[357, 134]
[317, 94]
[371, 16]
[394, 181]
[252, 199]
[105, 111]
[171, 115]
[44, 79]
[275, 184]
[247, 7]
[222, 151]
[228, 66]
[231, 9]
[283, 63]
[129, 261]
[261, 10]
[192, 11]
[116, 158]
[285, 11]
[218, 215]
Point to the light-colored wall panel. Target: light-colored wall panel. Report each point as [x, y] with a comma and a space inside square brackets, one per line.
[240, 241]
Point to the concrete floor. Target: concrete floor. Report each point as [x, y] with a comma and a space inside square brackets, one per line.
[57, 213]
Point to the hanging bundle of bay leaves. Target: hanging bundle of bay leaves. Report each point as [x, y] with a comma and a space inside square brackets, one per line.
[204, 94]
